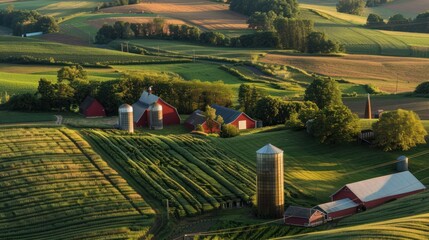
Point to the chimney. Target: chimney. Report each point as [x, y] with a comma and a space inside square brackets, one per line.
[368, 111]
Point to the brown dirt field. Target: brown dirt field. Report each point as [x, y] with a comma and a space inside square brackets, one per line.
[209, 15]
[98, 23]
[379, 70]
[409, 6]
[65, 39]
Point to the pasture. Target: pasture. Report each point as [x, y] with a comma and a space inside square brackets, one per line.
[7, 117]
[55, 185]
[381, 71]
[205, 14]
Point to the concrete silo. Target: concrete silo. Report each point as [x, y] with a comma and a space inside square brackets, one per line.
[270, 182]
[155, 119]
[126, 120]
[402, 164]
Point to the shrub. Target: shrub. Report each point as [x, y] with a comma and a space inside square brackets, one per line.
[371, 89]
[422, 88]
[228, 131]
[199, 128]
[399, 130]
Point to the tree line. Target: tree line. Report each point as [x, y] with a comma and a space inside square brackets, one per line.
[284, 8]
[24, 21]
[72, 87]
[398, 22]
[115, 3]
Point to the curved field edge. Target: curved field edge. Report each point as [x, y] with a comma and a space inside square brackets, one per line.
[55, 185]
[406, 218]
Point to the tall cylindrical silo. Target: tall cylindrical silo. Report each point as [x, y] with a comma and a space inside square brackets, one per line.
[156, 120]
[402, 164]
[270, 182]
[126, 120]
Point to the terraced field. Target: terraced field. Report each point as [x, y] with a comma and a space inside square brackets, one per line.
[54, 186]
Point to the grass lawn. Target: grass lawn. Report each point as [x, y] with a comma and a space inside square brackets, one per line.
[7, 117]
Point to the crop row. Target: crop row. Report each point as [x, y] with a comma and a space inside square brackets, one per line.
[188, 171]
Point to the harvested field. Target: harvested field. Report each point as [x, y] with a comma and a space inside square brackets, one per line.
[206, 14]
[364, 69]
[98, 23]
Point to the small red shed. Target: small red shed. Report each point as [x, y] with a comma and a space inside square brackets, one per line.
[142, 108]
[234, 117]
[196, 118]
[90, 107]
[376, 191]
[338, 209]
[303, 217]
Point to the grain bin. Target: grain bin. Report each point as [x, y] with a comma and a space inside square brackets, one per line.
[126, 120]
[155, 119]
[402, 164]
[269, 182]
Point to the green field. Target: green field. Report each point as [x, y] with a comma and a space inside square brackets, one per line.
[55, 185]
[7, 117]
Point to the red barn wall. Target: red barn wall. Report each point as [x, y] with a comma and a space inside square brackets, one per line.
[143, 121]
[169, 114]
[95, 109]
[296, 221]
[378, 202]
[250, 123]
[345, 193]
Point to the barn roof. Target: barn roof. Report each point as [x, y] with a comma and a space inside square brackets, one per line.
[197, 117]
[269, 149]
[301, 212]
[228, 114]
[336, 206]
[86, 103]
[143, 104]
[385, 186]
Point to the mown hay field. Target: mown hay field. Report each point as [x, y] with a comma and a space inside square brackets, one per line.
[54, 186]
[382, 71]
[206, 14]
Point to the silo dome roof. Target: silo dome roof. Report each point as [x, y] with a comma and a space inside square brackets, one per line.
[125, 108]
[269, 149]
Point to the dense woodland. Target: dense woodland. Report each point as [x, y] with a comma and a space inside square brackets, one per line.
[284, 8]
[24, 21]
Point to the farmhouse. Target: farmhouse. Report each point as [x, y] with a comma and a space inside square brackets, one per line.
[141, 109]
[304, 217]
[90, 107]
[338, 209]
[196, 118]
[376, 191]
[235, 118]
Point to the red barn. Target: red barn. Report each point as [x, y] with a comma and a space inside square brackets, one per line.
[303, 217]
[338, 209]
[234, 117]
[142, 108]
[196, 118]
[90, 107]
[376, 191]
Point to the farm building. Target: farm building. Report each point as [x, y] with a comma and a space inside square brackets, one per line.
[376, 191]
[234, 117]
[303, 217]
[90, 107]
[142, 110]
[196, 118]
[338, 209]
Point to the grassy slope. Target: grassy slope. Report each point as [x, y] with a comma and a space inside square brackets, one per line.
[55, 185]
[405, 218]
[21, 117]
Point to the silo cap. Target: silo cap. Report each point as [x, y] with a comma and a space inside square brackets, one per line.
[269, 149]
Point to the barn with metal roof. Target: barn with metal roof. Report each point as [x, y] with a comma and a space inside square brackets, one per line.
[198, 118]
[239, 119]
[142, 107]
[304, 217]
[338, 209]
[376, 191]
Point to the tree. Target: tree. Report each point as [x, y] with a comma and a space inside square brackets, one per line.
[247, 98]
[374, 20]
[335, 124]
[354, 7]
[267, 110]
[228, 131]
[317, 42]
[47, 24]
[293, 32]
[262, 21]
[422, 88]
[324, 92]
[212, 119]
[106, 34]
[46, 90]
[24, 102]
[71, 73]
[399, 130]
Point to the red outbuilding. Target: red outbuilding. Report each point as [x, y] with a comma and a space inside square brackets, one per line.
[376, 191]
[90, 107]
[338, 209]
[141, 110]
[303, 217]
[198, 118]
[234, 117]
